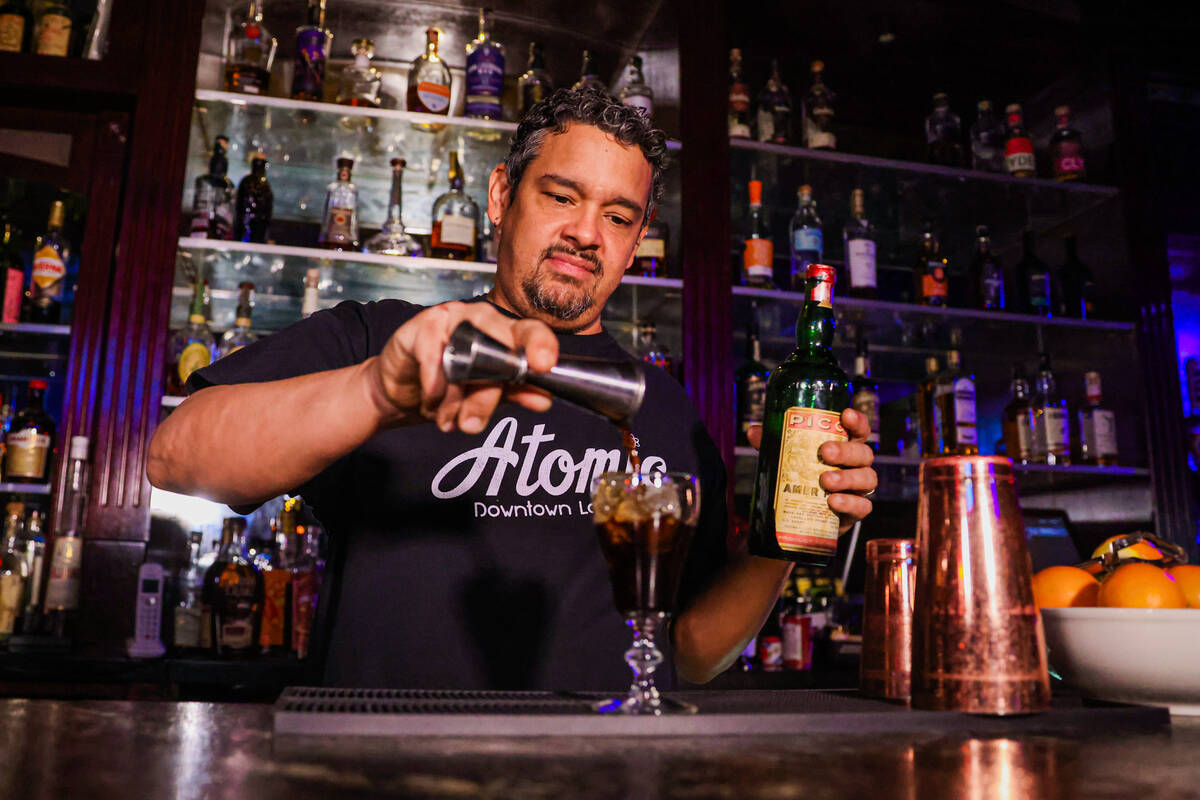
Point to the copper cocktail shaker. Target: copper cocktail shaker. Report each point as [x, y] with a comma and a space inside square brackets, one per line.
[977, 636]
[886, 664]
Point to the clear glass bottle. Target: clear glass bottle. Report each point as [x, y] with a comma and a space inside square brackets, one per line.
[255, 203]
[188, 606]
[339, 223]
[651, 255]
[360, 81]
[859, 246]
[33, 549]
[805, 239]
[313, 41]
[1052, 434]
[943, 133]
[1034, 279]
[758, 257]
[954, 395]
[932, 281]
[987, 275]
[589, 79]
[192, 347]
[775, 109]
[392, 240]
[66, 562]
[535, 84]
[249, 54]
[16, 27]
[455, 219]
[429, 81]
[240, 334]
[485, 72]
[213, 203]
[13, 571]
[312, 292]
[1018, 420]
[818, 112]
[739, 98]
[1078, 284]
[987, 139]
[1066, 148]
[750, 385]
[1019, 160]
[51, 252]
[635, 91]
[233, 589]
[865, 399]
[30, 442]
[53, 21]
[1097, 426]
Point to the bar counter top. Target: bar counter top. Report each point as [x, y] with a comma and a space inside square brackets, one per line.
[109, 749]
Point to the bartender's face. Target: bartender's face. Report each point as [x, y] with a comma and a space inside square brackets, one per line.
[571, 228]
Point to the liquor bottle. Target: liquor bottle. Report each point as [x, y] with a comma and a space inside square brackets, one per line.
[50, 255]
[188, 610]
[305, 580]
[312, 48]
[804, 238]
[739, 98]
[818, 112]
[858, 242]
[192, 347]
[635, 92]
[1052, 435]
[255, 201]
[53, 21]
[429, 80]
[954, 395]
[928, 412]
[1066, 148]
[12, 273]
[233, 589]
[239, 335]
[489, 244]
[1078, 285]
[339, 226]
[275, 632]
[650, 258]
[987, 276]
[249, 54]
[29, 445]
[806, 394]
[485, 72]
[865, 399]
[16, 26]
[758, 258]
[650, 350]
[312, 296]
[589, 79]
[455, 219]
[775, 109]
[1097, 426]
[66, 562]
[33, 549]
[1018, 147]
[360, 82]
[392, 240]
[13, 571]
[943, 134]
[750, 386]
[1018, 421]
[213, 206]
[534, 85]
[988, 138]
[932, 282]
[1034, 279]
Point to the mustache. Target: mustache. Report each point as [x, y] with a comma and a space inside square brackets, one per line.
[585, 255]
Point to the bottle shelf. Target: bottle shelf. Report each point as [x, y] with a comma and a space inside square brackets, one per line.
[25, 488]
[35, 329]
[1032, 469]
[407, 263]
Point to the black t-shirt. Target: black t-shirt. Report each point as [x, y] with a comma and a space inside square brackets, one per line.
[471, 561]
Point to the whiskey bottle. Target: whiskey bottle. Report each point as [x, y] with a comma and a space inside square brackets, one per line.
[240, 335]
[775, 109]
[255, 202]
[485, 72]
[806, 394]
[29, 444]
[818, 112]
[360, 81]
[1018, 421]
[1097, 426]
[928, 411]
[455, 219]
[750, 386]
[1034, 279]
[1018, 147]
[249, 54]
[1066, 148]
[987, 139]
[739, 98]
[932, 282]
[866, 392]
[1078, 285]
[53, 22]
[954, 396]
[51, 252]
[192, 347]
[651, 255]
[312, 49]
[233, 589]
[12, 273]
[429, 81]
[635, 92]
[859, 245]
[392, 240]
[943, 134]
[758, 257]
[804, 238]
[534, 85]
[987, 276]
[66, 562]
[339, 227]
[13, 571]
[1052, 435]
[16, 26]
[589, 79]
[213, 204]
[188, 611]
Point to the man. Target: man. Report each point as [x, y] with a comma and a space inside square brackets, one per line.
[462, 552]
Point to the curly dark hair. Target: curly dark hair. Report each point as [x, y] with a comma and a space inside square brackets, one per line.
[627, 125]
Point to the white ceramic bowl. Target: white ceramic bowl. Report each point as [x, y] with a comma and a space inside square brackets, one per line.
[1130, 655]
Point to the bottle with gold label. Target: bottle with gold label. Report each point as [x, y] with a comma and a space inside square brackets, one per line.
[29, 444]
[455, 219]
[66, 561]
[806, 394]
[192, 346]
[16, 26]
[239, 336]
[14, 571]
[233, 588]
[52, 28]
[43, 301]
[954, 394]
[429, 82]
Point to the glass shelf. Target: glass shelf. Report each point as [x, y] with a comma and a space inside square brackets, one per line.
[35, 328]
[25, 488]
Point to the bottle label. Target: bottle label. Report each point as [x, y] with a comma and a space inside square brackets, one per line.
[860, 257]
[1100, 433]
[754, 402]
[797, 641]
[738, 130]
[641, 102]
[485, 82]
[818, 139]
[14, 282]
[1039, 292]
[933, 282]
[652, 247]
[338, 225]
[866, 403]
[195, 356]
[434, 97]
[54, 35]
[12, 586]
[759, 257]
[803, 520]
[187, 627]
[48, 272]
[965, 429]
[275, 591]
[1018, 155]
[25, 453]
[453, 229]
[308, 78]
[304, 604]
[12, 32]
[62, 588]
[739, 98]
[808, 240]
[1057, 434]
[1068, 159]
[766, 125]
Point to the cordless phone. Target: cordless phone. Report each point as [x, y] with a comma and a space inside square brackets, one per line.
[147, 642]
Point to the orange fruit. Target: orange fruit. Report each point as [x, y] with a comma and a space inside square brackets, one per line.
[1141, 549]
[1064, 587]
[1140, 586]
[1187, 578]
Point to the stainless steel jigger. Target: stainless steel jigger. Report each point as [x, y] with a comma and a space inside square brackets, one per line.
[613, 389]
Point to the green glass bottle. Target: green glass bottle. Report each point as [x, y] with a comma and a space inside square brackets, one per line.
[790, 517]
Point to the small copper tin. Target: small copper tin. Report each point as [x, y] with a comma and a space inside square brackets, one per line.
[886, 665]
[977, 636]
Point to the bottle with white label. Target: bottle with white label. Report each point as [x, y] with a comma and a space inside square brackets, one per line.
[429, 82]
[636, 92]
[455, 219]
[805, 239]
[312, 292]
[62, 584]
[1097, 426]
[51, 252]
[1052, 433]
[30, 442]
[858, 238]
[758, 254]
[954, 395]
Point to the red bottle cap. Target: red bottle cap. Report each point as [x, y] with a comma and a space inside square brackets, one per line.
[37, 384]
[756, 193]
